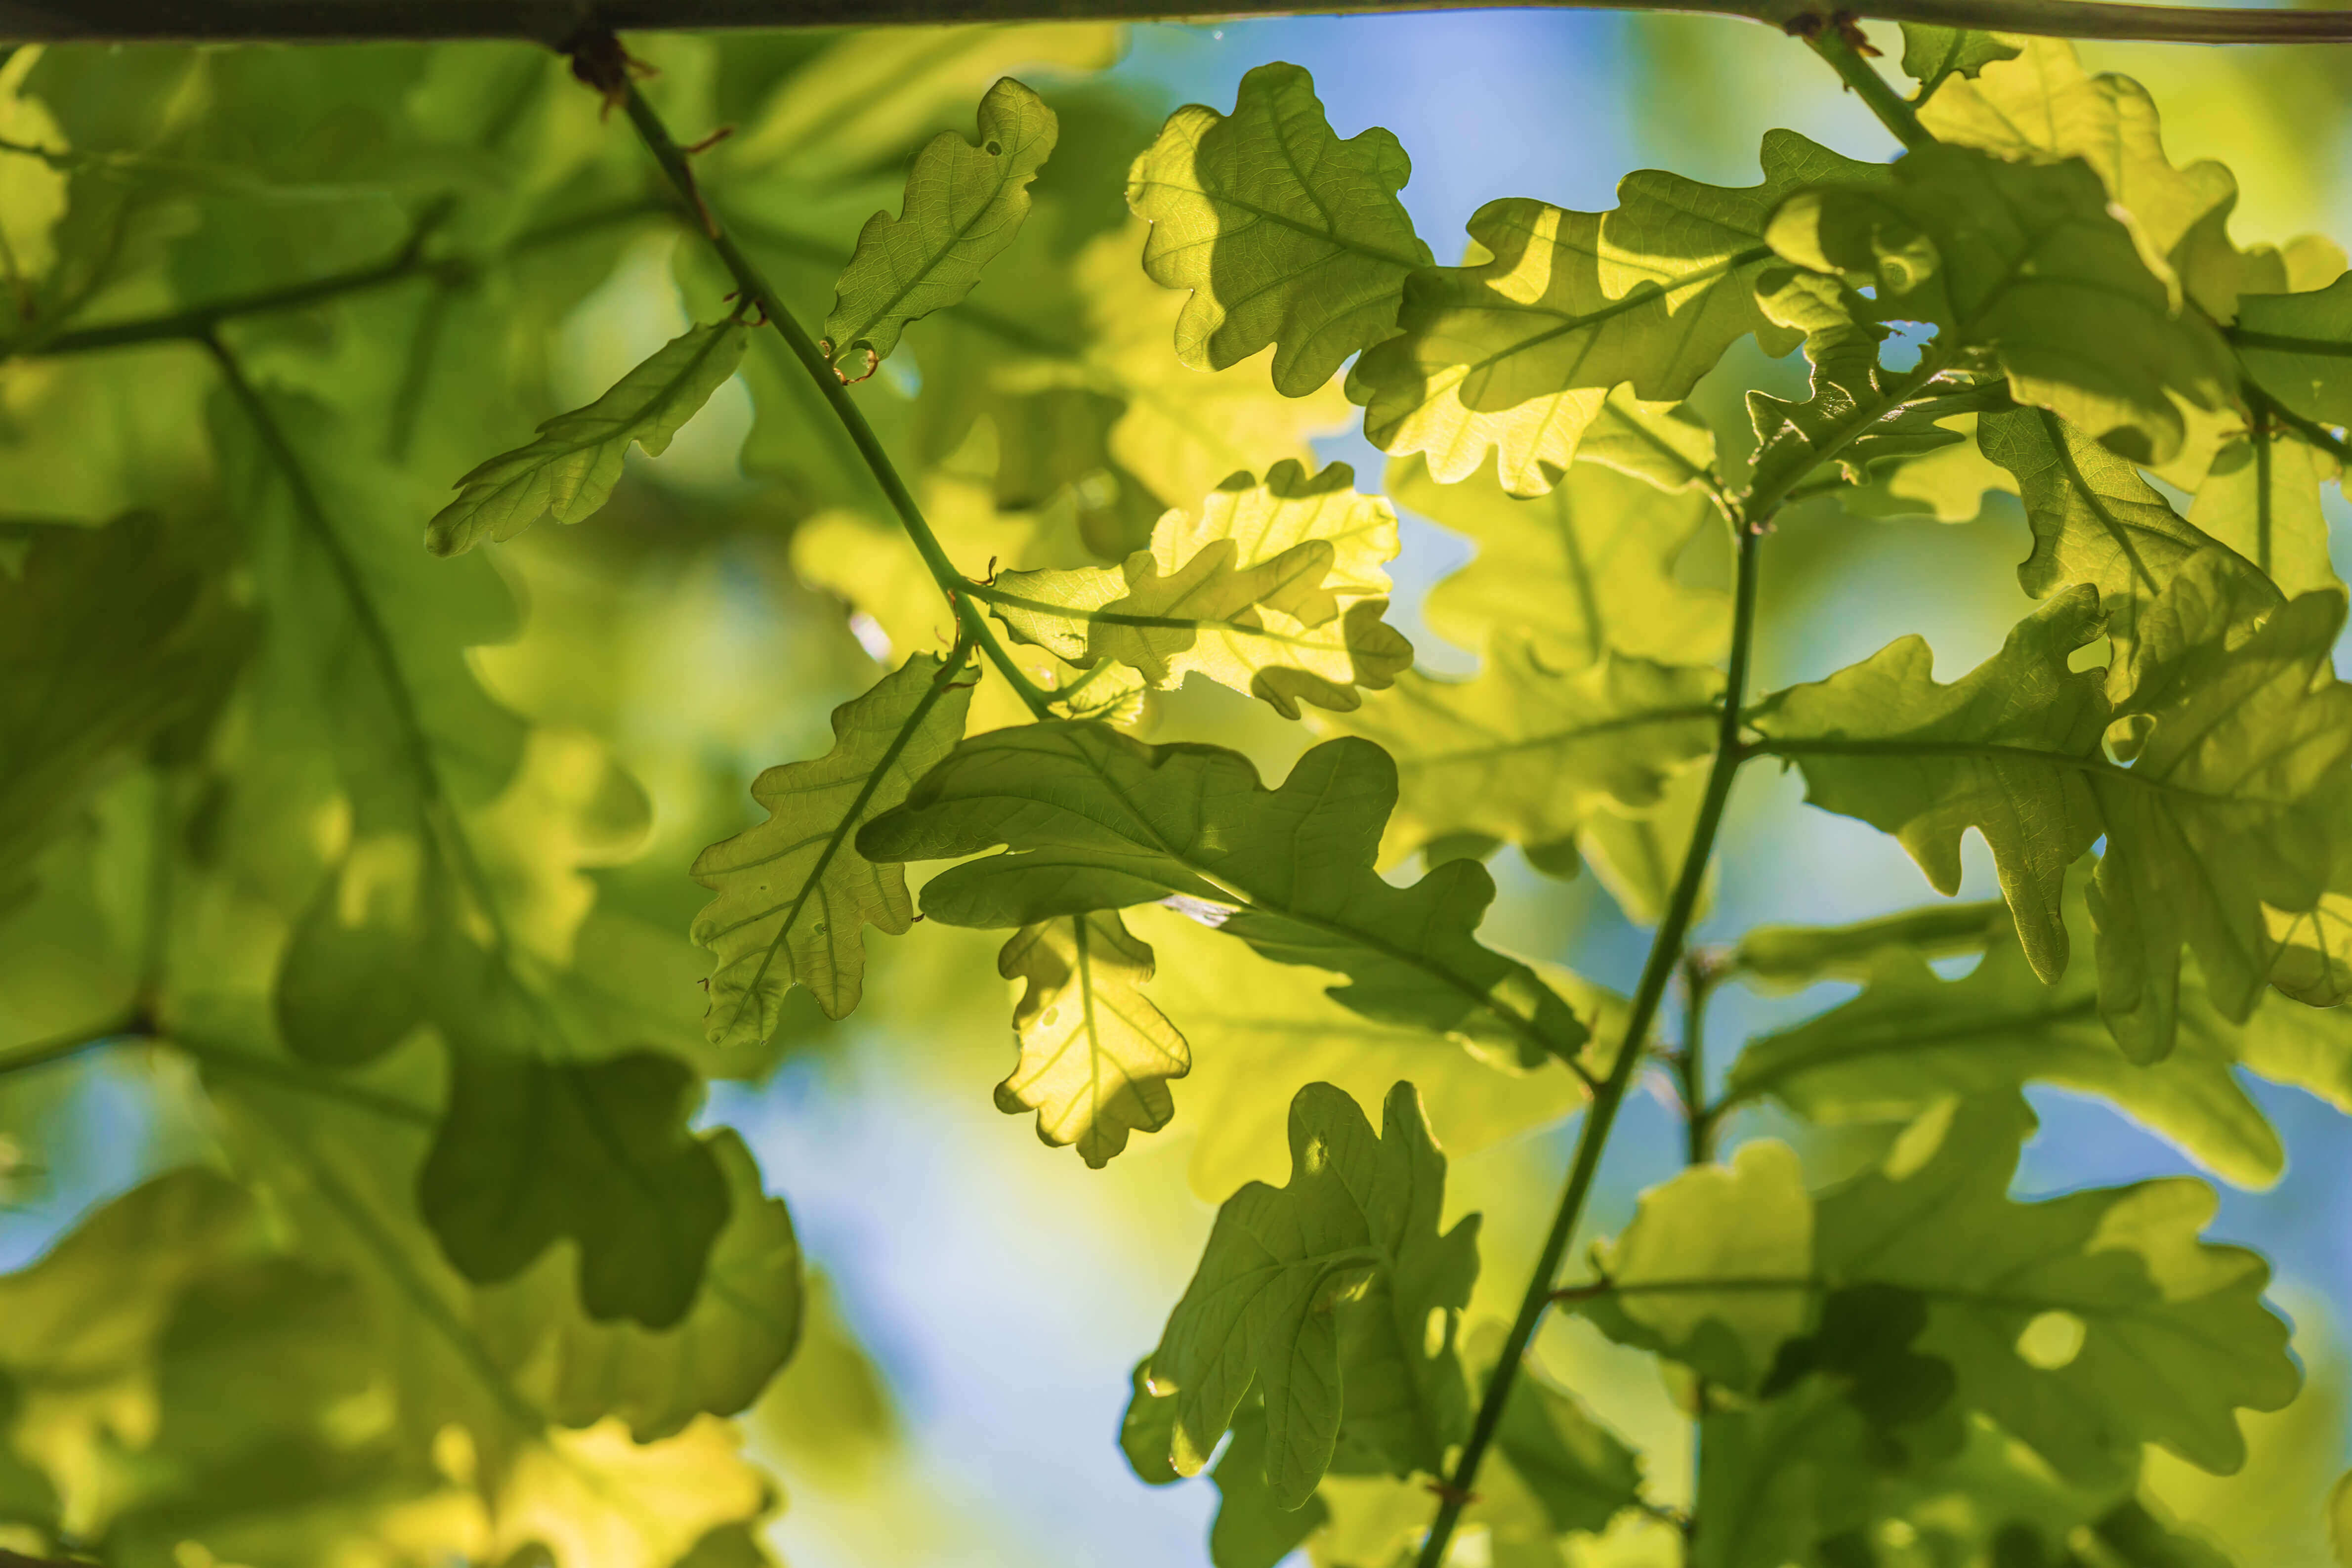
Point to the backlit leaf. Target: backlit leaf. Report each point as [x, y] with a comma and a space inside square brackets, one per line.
[1517, 354]
[1275, 588]
[1337, 1272]
[1095, 1055]
[964, 202]
[1587, 567]
[1911, 1037]
[2086, 330]
[795, 894]
[1283, 232]
[1093, 820]
[1931, 53]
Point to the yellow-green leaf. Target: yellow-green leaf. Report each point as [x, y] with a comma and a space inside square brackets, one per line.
[1095, 1055]
[1283, 232]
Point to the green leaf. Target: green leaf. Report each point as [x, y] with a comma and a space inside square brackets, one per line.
[2261, 500]
[570, 471]
[532, 1151]
[1931, 53]
[1912, 1037]
[1253, 1528]
[133, 641]
[2008, 749]
[2026, 260]
[1580, 1472]
[1743, 1223]
[1517, 354]
[2208, 826]
[2095, 520]
[745, 1325]
[2044, 108]
[1095, 1055]
[1275, 588]
[1348, 1254]
[2086, 1324]
[1529, 756]
[2220, 826]
[1273, 1028]
[794, 892]
[1146, 1432]
[352, 980]
[1587, 567]
[1794, 956]
[2299, 348]
[1094, 820]
[1283, 232]
[1859, 414]
[964, 202]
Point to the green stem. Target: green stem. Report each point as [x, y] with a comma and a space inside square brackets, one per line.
[133, 1023]
[756, 287]
[1665, 954]
[1830, 41]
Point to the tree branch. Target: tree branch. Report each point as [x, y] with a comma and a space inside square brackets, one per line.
[551, 22]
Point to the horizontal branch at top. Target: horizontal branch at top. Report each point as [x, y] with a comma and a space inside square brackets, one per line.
[553, 21]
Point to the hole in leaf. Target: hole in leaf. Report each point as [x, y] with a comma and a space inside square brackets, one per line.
[1432, 1334]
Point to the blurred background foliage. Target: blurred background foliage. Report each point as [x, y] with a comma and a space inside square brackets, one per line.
[975, 1297]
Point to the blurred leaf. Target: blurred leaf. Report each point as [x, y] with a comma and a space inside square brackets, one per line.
[570, 471]
[1580, 1472]
[1096, 821]
[2261, 498]
[1931, 53]
[1253, 1528]
[1267, 1030]
[1322, 1286]
[964, 202]
[1282, 233]
[1588, 566]
[1911, 1037]
[2086, 330]
[1530, 755]
[2294, 346]
[532, 1150]
[1748, 1222]
[1795, 956]
[1517, 354]
[1275, 588]
[112, 639]
[2044, 108]
[795, 894]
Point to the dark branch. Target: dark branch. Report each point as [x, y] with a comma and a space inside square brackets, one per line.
[551, 21]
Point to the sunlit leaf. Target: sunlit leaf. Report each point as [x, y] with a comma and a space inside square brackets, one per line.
[2261, 498]
[1095, 1055]
[1274, 587]
[1516, 354]
[1283, 232]
[963, 204]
